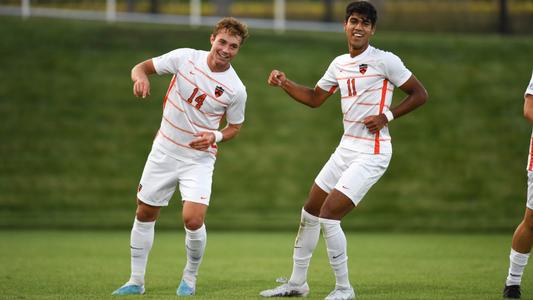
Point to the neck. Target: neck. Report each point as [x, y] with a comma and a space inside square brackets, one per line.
[213, 66]
[356, 51]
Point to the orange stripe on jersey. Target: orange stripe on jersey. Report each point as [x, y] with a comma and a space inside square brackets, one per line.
[364, 92]
[188, 119]
[349, 64]
[168, 91]
[530, 168]
[333, 89]
[351, 121]
[365, 138]
[361, 76]
[381, 104]
[175, 105]
[209, 77]
[182, 145]
[196, 109]
[176, 127]
[204, 92]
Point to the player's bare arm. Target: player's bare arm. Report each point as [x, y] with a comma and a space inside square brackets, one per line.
[528, 107]
[305, 95]
[206, 138]
[139, 76]
[416, 96]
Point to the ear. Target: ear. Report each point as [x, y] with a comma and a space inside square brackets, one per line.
[212, 39]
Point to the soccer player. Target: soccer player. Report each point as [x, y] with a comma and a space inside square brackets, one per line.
[523, 235]
[204, 89]
[366, 77]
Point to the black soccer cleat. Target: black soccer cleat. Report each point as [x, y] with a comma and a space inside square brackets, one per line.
[511, 292]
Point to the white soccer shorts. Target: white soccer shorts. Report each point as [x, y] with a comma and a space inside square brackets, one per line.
[162, 173]
[352, 173]
[529, 190]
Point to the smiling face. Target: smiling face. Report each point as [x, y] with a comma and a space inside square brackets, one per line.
[358, 30]
[224, 47]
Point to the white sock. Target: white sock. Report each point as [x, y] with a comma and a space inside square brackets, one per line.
[142, 238]
[195, 241]
[304, 246]
[336, 247]
[518, 262]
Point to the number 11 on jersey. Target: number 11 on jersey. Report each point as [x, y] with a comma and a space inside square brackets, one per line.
[351, 87]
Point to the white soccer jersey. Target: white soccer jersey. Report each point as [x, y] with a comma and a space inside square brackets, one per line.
[366, 84]
[529, 91]
[197, 100]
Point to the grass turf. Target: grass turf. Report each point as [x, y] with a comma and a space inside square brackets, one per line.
[74, 139]
[91, 264]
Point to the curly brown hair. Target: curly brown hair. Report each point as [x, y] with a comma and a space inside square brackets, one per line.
[233, 26]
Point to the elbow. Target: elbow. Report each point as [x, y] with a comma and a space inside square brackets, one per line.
[422, 97]
[529, 116]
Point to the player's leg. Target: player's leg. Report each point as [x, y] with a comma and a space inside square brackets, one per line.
[518, 258]
[363, 172]
[195, 188]
[195, 241]
[308, 232]
[521, 247]
[156, 187]
[308, 235]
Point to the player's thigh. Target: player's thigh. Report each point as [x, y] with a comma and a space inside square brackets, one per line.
[529, 203]
[361, 175]
[195, 182]
[315, 200]
[330, 173]
[159, 179]
[336, 206]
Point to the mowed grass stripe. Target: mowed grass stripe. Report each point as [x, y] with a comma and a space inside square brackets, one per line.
[91, 264]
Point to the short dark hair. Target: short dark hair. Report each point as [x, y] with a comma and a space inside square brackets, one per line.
[363, 8]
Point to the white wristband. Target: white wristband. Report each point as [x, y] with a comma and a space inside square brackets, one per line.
[389, 115]
[218, 136]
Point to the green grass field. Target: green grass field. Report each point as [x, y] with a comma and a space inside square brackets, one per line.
[74, 140]
[91, 264]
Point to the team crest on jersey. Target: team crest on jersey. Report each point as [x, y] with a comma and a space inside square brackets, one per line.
[219, 91]
[363, 68]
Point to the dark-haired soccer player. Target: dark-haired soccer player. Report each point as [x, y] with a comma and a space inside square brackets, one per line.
[523, 235]
[366, 78]
[204, 89]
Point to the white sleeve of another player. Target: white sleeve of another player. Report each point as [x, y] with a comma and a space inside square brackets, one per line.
[235, 110]
[328, 82]
[395, 70]
[529, 89]
[170, 62]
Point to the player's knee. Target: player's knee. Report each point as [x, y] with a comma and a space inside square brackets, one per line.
[528, 223]
[146, 213]
[193, 223]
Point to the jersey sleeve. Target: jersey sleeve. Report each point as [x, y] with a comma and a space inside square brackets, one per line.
[395, 70]
[328, 82]
[170, 62]
[235, 110]
[529, 90]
